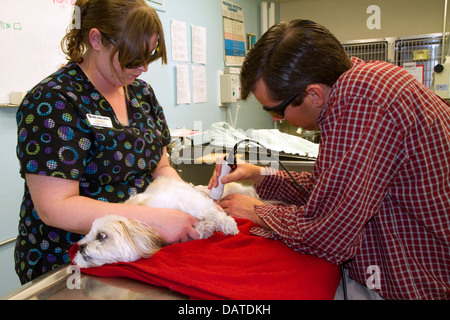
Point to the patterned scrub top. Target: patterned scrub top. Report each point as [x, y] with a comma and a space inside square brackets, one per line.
[67, 129]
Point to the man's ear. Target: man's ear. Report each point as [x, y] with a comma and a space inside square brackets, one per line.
[95, 39]
[317, 94]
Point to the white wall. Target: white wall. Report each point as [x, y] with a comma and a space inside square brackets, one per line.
[205, 14]
[346, 19]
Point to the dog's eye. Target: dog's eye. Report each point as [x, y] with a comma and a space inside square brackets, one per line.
[101, 236]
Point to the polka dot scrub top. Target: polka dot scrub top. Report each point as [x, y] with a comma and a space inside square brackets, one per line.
[68, 130]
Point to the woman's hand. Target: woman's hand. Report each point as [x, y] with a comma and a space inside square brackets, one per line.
[60, 205]
[175, 226]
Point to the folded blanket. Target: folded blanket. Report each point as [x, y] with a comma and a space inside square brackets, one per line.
[241, 267]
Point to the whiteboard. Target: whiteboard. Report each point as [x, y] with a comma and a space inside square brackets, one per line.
[30, 38]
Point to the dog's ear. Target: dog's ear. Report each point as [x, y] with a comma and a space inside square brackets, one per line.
[145, 239]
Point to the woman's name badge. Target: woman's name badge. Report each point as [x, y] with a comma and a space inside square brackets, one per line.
[99, 121]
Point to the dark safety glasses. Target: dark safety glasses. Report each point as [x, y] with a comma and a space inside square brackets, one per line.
[135, 63]
[278, 111]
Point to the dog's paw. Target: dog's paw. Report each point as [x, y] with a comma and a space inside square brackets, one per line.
[228, 226]
[206, 229]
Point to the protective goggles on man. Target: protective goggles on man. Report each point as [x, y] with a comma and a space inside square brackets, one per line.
[279, 110]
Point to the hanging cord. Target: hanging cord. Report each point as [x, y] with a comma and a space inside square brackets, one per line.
[236, 115]
[344, 282]
[232, 159]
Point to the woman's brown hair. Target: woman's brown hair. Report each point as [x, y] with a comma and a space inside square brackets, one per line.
[129, 23]
[292, 55]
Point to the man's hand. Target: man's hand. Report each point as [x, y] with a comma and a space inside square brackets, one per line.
[243, 206]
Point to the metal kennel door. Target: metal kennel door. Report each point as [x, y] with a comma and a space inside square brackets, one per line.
[368, 49]
[423, 50]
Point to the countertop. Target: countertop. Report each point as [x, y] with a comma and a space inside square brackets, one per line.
[68, 283]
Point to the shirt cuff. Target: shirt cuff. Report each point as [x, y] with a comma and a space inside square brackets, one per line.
[262, 232]
[263, 211]
[271, 178]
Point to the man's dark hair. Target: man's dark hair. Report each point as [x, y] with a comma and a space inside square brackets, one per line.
[292, 55]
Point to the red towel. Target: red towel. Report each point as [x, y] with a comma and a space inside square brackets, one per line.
[241, 267]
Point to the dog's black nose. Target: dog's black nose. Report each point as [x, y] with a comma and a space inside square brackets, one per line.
[82, 247]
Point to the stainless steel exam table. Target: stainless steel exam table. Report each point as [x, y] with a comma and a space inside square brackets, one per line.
[59, 285]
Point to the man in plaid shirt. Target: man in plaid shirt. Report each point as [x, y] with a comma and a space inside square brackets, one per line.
[379, 197]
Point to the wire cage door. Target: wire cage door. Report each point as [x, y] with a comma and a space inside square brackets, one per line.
[423, 50]
[368, 49]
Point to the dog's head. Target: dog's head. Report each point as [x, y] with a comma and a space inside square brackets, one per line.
[114, 238]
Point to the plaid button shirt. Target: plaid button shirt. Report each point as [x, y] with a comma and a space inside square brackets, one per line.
[380, 192]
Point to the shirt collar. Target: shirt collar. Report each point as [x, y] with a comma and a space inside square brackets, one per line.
[355, 62]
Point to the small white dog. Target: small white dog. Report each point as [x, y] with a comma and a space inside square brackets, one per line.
[114, 238]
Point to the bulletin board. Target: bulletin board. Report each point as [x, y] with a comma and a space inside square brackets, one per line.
[30, 34]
